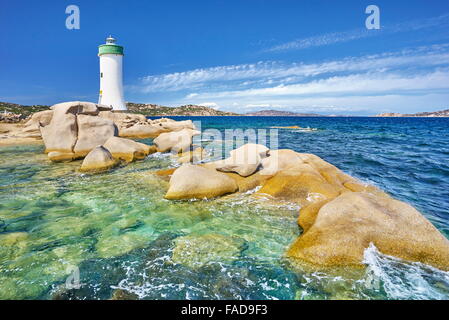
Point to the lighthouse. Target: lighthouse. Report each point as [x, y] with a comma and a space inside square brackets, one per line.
[111, 75]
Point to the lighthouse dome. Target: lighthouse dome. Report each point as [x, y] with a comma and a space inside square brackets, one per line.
[110, 47]
[110, 40]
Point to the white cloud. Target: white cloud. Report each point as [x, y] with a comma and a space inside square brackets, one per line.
[274, 73]
[353, 84]
[210, 105]
[346, 36]
[387, 81]
[192, 95]
[323, 40]
[261, 106]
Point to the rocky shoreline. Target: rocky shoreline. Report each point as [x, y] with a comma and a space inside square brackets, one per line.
[340, 217]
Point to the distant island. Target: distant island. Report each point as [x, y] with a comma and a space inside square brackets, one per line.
[278, 113]
[155, 110]
[442, 113]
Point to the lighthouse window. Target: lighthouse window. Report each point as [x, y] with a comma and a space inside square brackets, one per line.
[101, 75]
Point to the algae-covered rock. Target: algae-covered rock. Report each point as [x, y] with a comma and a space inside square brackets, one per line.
[191, 181]
[308, 179]
[302, 184]
[344, 227]
[13, 245]
[117, 245]
[196, 251]
[57, 156]
[120, 294]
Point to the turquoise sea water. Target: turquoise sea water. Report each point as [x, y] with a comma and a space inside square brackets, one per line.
[119, 232]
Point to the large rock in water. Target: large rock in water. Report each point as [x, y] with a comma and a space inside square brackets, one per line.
[195, 182]
[127, 150]
[302, 184]
[171, 125]
[338, 233]
[92, 131]
[75, 129]
[141, 131]
[278, 160]
[97, 160]
[244, 160]
[132, 125]
[61, 133]
[178, 141]
[308, 179]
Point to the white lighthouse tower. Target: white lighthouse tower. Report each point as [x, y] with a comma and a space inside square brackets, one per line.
[111, 75]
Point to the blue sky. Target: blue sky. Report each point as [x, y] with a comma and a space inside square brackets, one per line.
[246, 55]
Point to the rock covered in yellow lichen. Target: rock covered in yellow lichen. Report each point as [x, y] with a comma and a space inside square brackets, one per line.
[338, 232]
[128, 150]
[99, 159]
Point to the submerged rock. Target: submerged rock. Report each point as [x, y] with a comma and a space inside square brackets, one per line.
[196, 251]
[12, 245]
[194, 156]
[338, 233]
[115, 245]
[191, 181]
[165, 174]
[99, 159]
[120, 294]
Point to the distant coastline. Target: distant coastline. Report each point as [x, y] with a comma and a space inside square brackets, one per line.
[12, 112]
[439, 114]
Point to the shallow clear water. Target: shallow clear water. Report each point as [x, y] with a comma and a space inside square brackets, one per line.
[119, 232]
